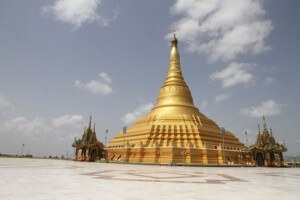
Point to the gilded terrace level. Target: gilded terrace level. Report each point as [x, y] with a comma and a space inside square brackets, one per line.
[174, 131]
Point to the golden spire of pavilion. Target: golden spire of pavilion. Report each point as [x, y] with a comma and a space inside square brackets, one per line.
[271, 132]
[264, 123]
[90, 123]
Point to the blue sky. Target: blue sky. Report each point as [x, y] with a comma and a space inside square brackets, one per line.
[62, 60]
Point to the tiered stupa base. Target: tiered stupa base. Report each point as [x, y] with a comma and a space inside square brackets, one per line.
[153, 139]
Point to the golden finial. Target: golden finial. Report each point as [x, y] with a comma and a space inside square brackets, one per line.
[174, 40]
[264, 123]
[90, 123]
[174, 54]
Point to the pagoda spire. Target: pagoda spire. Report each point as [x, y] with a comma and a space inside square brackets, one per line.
[258, 129]
[174, 93]
[94, 130]
[174, 76]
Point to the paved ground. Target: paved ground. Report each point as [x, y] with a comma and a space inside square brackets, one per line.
[38, 179]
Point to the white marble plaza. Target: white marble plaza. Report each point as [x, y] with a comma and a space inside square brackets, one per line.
[38, 179]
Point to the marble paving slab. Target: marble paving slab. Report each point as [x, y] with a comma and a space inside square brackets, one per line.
[43, 179]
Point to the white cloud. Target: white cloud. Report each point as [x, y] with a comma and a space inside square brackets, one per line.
[233, 74]
[97, 87]
[104, 76]
[68, 120]
[269, 81]
[65, 127]
[77, 12]
[24, 126]
[5, 104]
[222, 29]
[141, 110]
[267, 108]
[101, 86]
[222, 97]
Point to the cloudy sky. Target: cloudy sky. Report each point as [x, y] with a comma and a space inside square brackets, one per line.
[63, 60]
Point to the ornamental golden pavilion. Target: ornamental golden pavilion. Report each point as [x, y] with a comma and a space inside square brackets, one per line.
[266, 151]
[175, 132]
[88, 148]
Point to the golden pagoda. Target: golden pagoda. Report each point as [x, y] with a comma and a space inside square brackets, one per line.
[175, 132]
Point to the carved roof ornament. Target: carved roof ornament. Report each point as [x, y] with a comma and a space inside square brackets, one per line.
[266, 141]
[89, 137]
[271, 132]
[272, 139]
[264, 123]
[90, 123]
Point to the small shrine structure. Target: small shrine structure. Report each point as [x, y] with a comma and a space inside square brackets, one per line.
[88, 148]
[266, 151]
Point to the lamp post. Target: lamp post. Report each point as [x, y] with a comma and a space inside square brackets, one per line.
[240, 156]
[106, 131]
[22, 149]
[223, 148]
[108, 154]
[159, 153]
[183, 153]
[124, 132]
[246, 134]
[104, 153]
